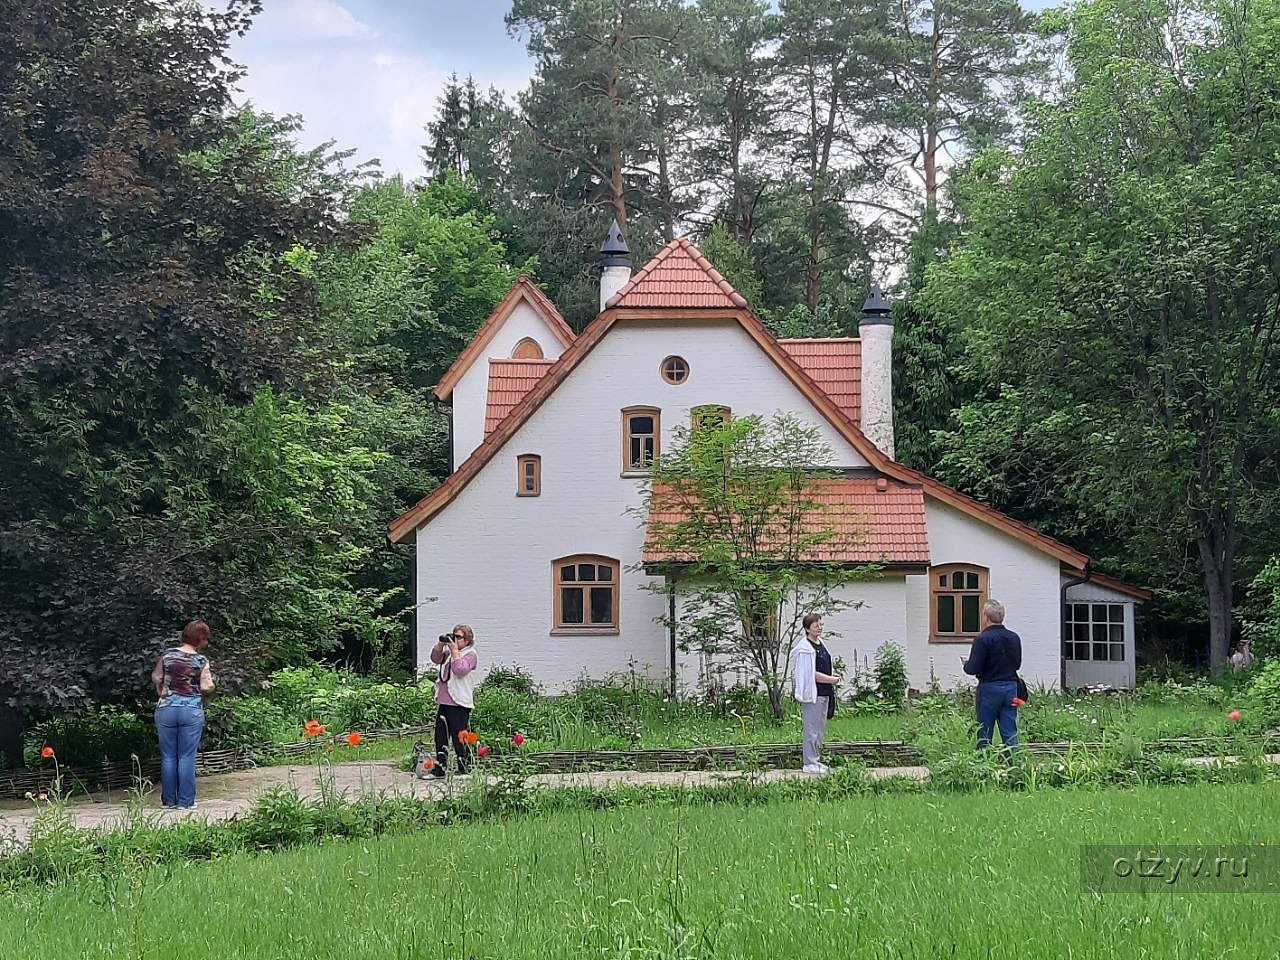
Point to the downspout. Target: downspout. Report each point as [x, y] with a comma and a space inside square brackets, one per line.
[671, 621]
[1062, 622]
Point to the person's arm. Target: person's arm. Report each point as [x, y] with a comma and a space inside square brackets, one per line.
[825, 677]
[464, 663]
[157, 675]
[439, 653]
[977, 658]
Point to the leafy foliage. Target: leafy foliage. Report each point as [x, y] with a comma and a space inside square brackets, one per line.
[733, 512]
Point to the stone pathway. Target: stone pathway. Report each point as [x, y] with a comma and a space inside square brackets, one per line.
[228, 795]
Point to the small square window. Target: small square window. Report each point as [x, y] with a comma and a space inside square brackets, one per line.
[586, 571]
[971, 581]
[1117, 652]
[1117, 613]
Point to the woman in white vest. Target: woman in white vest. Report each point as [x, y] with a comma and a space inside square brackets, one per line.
[456, 655]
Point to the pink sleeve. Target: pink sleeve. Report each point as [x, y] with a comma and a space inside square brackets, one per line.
[464, 664]
[438, 653]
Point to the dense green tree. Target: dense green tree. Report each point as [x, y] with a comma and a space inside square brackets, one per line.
[145, 274]
[958, 69]
[470, 136]
[827, 85]
[1117, 280]
[731, 72]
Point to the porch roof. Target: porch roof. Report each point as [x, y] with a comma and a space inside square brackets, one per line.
[876, 519]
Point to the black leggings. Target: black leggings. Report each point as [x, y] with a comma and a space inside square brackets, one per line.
[450, 722]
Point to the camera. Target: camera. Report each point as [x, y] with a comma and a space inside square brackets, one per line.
[445, 638]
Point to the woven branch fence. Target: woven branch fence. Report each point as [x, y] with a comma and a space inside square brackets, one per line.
[889, 753]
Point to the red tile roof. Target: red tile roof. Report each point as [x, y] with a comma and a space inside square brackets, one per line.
[679, 276]
[876, 519]
[509, 381]
[835, 365]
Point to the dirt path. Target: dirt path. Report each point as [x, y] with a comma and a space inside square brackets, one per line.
[228, 795]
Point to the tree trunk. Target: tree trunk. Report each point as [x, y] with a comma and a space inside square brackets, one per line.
[12, 725]
[1218, 563]
[931, 115]
[775, 698]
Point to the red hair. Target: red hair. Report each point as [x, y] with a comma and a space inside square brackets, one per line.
[196, 633]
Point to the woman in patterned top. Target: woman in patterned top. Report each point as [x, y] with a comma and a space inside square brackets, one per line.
[181, 678]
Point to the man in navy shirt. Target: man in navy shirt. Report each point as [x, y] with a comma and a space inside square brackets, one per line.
[994, 660]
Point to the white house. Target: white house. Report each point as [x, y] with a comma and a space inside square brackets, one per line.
[530, 539]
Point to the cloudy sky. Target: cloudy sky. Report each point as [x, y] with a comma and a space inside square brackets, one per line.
[367, 73]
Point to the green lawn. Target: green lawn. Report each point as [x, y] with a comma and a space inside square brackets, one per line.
[991, 875]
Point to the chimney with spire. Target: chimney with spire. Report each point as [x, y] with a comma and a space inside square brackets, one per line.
[615, 264]
[875, 330]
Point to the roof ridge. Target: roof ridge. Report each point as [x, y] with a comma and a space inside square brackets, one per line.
[644, 271]
[818, 339]
[690, 249]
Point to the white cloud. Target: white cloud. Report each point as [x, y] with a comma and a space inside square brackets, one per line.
[323, 18]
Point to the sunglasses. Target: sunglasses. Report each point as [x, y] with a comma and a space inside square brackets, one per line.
[459, 636]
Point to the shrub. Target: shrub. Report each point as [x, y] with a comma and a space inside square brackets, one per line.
[891, 673]
[95, 735]
[516, 679]
[501, 712]
[245, 721]
[1263, 694]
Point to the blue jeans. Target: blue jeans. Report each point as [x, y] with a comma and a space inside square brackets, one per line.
[995, 703]
[179, 729]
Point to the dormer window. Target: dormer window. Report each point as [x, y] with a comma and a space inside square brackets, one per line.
[527, 349]
[528, 475]
[640, 438]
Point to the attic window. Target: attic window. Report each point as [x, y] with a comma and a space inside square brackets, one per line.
[674, 370]
[527, 349]
[529, 475]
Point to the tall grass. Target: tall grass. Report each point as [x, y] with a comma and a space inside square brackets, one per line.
[988, 875]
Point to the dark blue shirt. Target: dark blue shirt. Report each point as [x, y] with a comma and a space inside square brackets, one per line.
[822, 664]
[996, 655]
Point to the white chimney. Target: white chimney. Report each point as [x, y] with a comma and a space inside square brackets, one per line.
[615, 264]
[875, 330]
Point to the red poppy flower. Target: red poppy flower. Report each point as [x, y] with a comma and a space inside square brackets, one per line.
[428, 763]
[483, 751]
[312, 728]
[518, 739]
[1233, 715]
[353, 739]
[47, 752]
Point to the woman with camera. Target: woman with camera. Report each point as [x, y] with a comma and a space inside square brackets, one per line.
[456, 655]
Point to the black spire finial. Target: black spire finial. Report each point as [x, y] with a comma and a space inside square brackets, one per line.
[876, 309]
[614, 252]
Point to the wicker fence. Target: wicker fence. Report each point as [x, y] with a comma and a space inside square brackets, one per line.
[891, 753]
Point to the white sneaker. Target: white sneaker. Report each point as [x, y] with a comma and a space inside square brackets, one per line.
[823, 768]
[813, 768]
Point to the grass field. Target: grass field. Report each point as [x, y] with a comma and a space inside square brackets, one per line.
[991, 875]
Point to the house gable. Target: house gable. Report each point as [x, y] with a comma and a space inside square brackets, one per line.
[679, 288]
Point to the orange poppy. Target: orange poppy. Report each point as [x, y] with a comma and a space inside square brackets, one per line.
[312, 728]
[353, 739]
[428, 763]
[47, 752]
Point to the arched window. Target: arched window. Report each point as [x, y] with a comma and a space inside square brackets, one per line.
[957, 593]
[586, 593]
[528, 475]
[527, 349]
[709, 415]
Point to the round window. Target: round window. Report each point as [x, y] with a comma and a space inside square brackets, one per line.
[675, 370]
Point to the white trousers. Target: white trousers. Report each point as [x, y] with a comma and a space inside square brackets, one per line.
[814, 717]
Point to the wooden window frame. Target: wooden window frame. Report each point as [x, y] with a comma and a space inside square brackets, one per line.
[521, 462]
[705, 409]
[1091, 623]
[628, 470]
[529, 341]
[983, 593]
[558, 626]
[662, 369]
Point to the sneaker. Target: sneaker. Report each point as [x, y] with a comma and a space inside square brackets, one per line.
[823, 768]
[192, 806]
[438, 772]
[812, 768]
